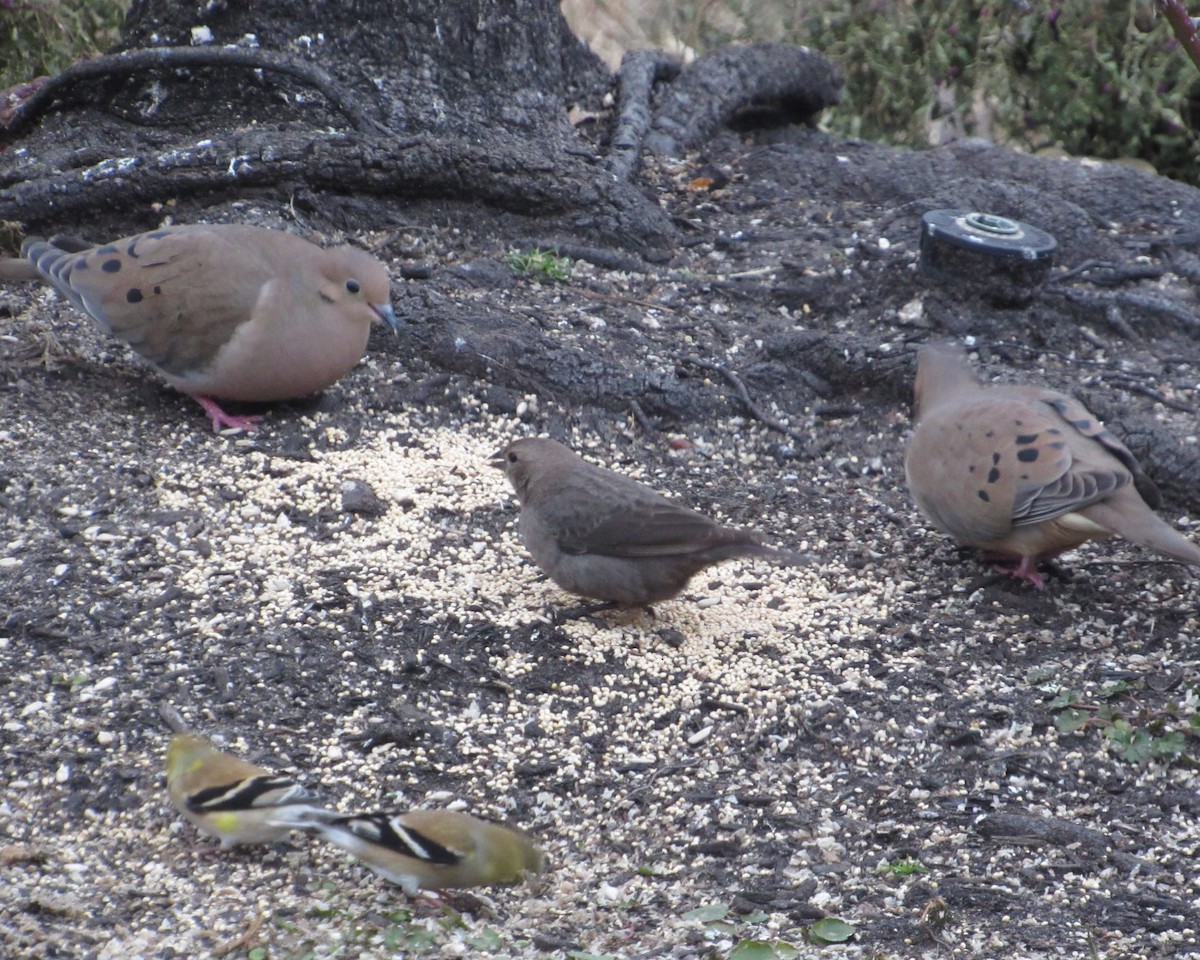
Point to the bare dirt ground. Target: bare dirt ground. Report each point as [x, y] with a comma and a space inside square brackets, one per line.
[765, 746]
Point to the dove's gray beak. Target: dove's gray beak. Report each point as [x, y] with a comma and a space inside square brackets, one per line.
[388, 316]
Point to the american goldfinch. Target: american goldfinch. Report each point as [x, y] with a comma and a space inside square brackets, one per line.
[434, 849]
[232, 800]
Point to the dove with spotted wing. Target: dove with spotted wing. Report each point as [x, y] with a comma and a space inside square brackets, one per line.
[1024, 472]
[223, 311]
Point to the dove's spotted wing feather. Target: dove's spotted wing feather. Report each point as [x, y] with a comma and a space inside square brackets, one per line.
[1021, 470]
[176, 296]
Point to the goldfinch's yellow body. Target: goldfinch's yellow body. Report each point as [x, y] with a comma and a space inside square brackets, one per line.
[434, 849]
[230, 799]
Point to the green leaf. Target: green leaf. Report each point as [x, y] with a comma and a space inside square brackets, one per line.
[904, 867]
[485, 939]
[1136, 746]
[1111, 713]
[1169, 746]
[584, 955]
[451, 919]
[753, 950]
[831, 930]
[1070, 720]
[1117, 687]
[257, 953]
[1065, 698]
[1041, 674]
[409, 938]
[714, 911]
[542, 264]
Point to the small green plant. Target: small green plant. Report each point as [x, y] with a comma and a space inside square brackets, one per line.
[721, 921]
[72, 682]
[540, 264]
[829, 930]
[343, 929]
[1137, 733]
[763, 950]
[904, 867]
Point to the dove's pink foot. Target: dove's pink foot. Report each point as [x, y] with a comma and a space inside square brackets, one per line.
[1025, 570]
[221, 419]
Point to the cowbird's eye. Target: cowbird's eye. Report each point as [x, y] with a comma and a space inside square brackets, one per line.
[512, 458]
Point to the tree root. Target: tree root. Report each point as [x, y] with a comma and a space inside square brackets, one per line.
[778, 83]
[152, 59]
[744, 395]
[640, 71]
[510, 175]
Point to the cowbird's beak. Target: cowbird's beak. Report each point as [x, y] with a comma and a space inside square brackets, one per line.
[497, 460]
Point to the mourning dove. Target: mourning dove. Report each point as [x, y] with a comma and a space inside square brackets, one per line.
[605, 536]
[223, 311]
[431, 849]
[1022, 472]
[232, 800]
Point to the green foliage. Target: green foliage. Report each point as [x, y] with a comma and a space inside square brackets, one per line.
[904, 867]
[540, 264]
[73, 682]
[1136, 732]
[1097, 79]
[1073, 75]
[708, 914]
[720, 921]
[486, 939]
[830, 930]
[344, 929]
[41, 37]
[763, 950]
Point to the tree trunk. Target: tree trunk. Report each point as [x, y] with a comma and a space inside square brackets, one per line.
[422, 99]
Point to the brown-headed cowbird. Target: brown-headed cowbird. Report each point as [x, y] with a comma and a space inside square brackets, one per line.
[605, 536]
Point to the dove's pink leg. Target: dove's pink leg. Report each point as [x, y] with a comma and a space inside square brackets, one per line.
[221, 419]
[1025, 570]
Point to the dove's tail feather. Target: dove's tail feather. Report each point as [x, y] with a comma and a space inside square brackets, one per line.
[21, 269]
[1139, 524]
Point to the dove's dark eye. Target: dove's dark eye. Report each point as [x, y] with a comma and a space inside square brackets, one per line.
[512, 458]
[353, 286]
